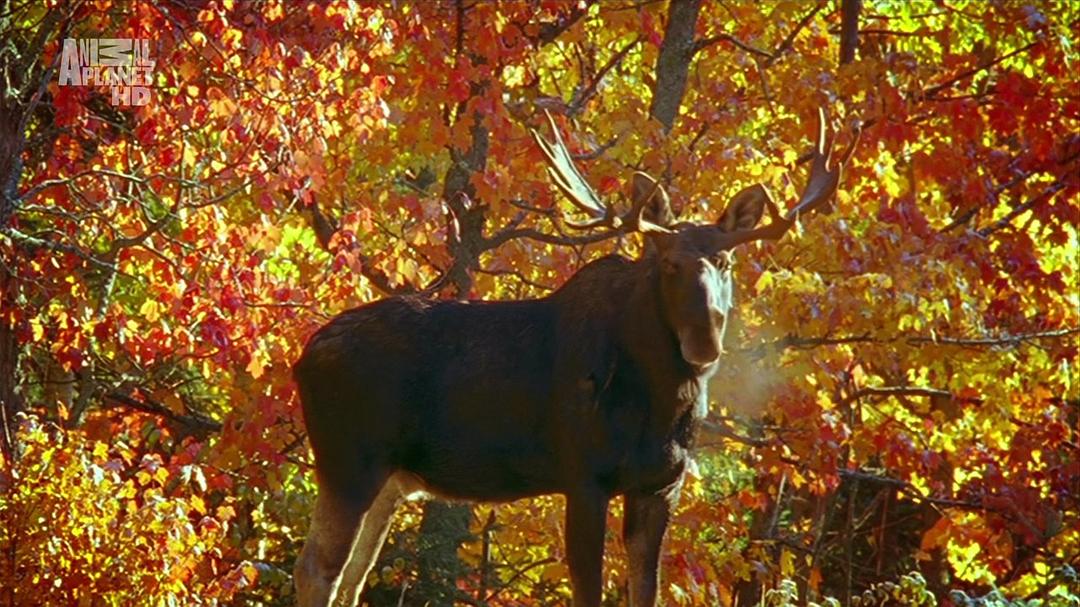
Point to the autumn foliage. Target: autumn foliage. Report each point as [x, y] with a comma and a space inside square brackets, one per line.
[897, 414]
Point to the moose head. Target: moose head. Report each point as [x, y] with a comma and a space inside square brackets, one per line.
[695, 261]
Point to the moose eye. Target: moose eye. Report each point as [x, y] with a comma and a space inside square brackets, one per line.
[668, 266]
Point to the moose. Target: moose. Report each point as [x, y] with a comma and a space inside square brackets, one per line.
[592, 392]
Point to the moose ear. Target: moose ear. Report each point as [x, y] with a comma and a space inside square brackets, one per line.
[650, 196]
[744, 210]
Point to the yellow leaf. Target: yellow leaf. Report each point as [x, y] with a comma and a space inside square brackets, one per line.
[894, 184]
[189, 156]
[250, 572]
[222, 107]
[255, 367]
[232, 38]
[787, 564]
[150, 311]
[764, 281]
[128, 491]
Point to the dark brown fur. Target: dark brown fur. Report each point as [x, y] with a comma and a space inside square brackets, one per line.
[587, 393]
[503, 400]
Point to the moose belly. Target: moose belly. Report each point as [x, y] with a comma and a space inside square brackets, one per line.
[518, 471]
[487, 472]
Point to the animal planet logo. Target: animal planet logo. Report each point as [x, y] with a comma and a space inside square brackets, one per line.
[122, 64]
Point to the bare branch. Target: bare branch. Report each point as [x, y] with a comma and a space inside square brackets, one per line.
[599, 151]
[803, 343]
[789, 40]
[937, 88]
[1005, 340]
[519, 276]
[33, 241]
[727, 432]
[901, 391]
[919, 33]
[194, 423]
[1043, 196]
[557, 239]
[325, 229]
[705, 43]
[586, 94]
[549, 32]
[909, 391]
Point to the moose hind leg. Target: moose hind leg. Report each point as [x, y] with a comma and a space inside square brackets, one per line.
[335, 523]
[369, 540]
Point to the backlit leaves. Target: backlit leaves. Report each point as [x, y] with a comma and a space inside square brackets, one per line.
[910, 358]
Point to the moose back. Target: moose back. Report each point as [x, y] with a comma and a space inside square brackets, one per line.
[592, 392]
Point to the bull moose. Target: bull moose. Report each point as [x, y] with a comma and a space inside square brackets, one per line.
[592, 392]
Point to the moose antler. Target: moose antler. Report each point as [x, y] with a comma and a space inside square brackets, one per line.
[569, 180]
[572, 184]
[820, 186]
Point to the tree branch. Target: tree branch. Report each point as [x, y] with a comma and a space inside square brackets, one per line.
[901, 391]
[549, 32]
[726, 432]
[1005, 221]
[557, 239]
[325, 229]
[33, 241]
[799, 342]
[1005, 340]
[192, 423]
[705, 43]
[920, 33]
[789, 40]
[583, 97]
[937, 88]
[909, 391]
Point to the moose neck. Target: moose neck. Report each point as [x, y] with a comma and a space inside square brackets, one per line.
[675, 385]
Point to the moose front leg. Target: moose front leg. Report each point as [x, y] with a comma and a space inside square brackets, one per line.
[586, 516]
[646, 520]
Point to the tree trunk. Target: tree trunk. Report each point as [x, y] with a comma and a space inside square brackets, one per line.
[849, 29]
[12, 143]
[10, 404]
[673, 62]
